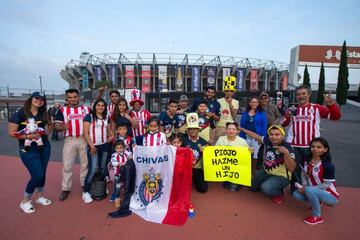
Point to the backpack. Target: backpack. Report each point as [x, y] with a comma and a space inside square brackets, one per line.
[98, 186]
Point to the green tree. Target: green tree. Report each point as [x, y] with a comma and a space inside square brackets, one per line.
[343, 81]
[103, 83]
[306, 80]
[321, 88]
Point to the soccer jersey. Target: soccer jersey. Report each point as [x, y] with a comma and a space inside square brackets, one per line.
[74, 116]
[129, 142]
[213, 105]
[169, 123]
[195, 147]
[154, 139]
[182, 122]
[274, 163]
[317, 173]
[118, 160]
[305, 125]
[19, 117]
[205, 124]
[226, 112]
[97, 130]
[142, 117]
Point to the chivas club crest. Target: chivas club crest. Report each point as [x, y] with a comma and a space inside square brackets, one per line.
[150, 188]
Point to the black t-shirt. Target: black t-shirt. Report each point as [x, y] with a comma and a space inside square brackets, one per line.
[19, 118]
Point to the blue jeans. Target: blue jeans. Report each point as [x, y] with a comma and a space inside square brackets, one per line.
[94, 162]
[117, 186]
[315, 195]
[36, 162]
[270, 185]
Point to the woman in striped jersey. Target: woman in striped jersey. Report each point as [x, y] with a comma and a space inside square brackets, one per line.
[96, 132]
[318, 180]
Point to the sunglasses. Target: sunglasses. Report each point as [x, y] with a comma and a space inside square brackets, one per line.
[39, 98]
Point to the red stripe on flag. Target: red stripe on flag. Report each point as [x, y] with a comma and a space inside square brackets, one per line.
[179, 201]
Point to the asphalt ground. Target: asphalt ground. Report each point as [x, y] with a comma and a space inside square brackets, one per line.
[343, 137]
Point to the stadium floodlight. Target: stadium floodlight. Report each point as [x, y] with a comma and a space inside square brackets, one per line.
[39, 76]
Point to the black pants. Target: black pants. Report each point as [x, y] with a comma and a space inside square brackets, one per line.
[301, 155]
[198, 179]
[128, 176]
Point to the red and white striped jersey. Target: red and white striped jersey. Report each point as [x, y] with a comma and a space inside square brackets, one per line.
[142, 117]
[316, 174]
[74, 116]
[110, 109]
[98, 129]
[154, 139]
[118, 160]
[305, 125]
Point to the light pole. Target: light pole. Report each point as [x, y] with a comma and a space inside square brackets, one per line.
[40, 83]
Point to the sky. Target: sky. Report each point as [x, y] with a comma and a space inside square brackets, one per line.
[41, 37]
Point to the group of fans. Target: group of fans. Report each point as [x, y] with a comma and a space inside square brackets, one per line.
[105, 135]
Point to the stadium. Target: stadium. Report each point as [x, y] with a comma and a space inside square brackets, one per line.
[164, 75]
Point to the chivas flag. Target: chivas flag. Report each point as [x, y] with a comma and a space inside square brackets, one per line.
[163, 184]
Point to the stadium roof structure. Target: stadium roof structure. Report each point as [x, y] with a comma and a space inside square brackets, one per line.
[175, 58]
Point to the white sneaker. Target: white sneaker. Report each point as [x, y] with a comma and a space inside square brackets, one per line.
[87, 197]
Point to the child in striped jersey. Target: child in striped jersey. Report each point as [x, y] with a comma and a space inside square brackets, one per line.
[121, 134]
[153, 137]
[118, 159]
[318, 180]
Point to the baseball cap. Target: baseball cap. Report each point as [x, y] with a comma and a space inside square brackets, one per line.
[38, 95]
[183, 98]
[263, 93]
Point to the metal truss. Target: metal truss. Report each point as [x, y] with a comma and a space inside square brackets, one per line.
[176, 58]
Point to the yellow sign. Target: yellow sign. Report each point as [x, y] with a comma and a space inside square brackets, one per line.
[224, 163]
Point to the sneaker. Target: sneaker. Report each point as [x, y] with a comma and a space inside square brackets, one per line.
[278, 199]
[226, 185]
[87, 197]
[112, 199]
[234, 187]
[313, 220]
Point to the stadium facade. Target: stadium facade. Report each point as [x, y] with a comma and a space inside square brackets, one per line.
[164, 75]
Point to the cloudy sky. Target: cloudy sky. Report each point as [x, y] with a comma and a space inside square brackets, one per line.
[40, 37]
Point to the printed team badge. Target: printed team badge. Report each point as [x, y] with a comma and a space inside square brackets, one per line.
[168, 128]
[150, 188]
[196, 156]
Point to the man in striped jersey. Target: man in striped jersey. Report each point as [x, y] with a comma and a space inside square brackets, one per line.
[304, 121]
[142, 115]
[114, 96]
[70, 120]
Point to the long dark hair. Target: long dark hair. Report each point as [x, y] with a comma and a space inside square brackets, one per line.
[116, 114]
[326, 156]
[248, 108]
[42, 110]
[93, 110]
